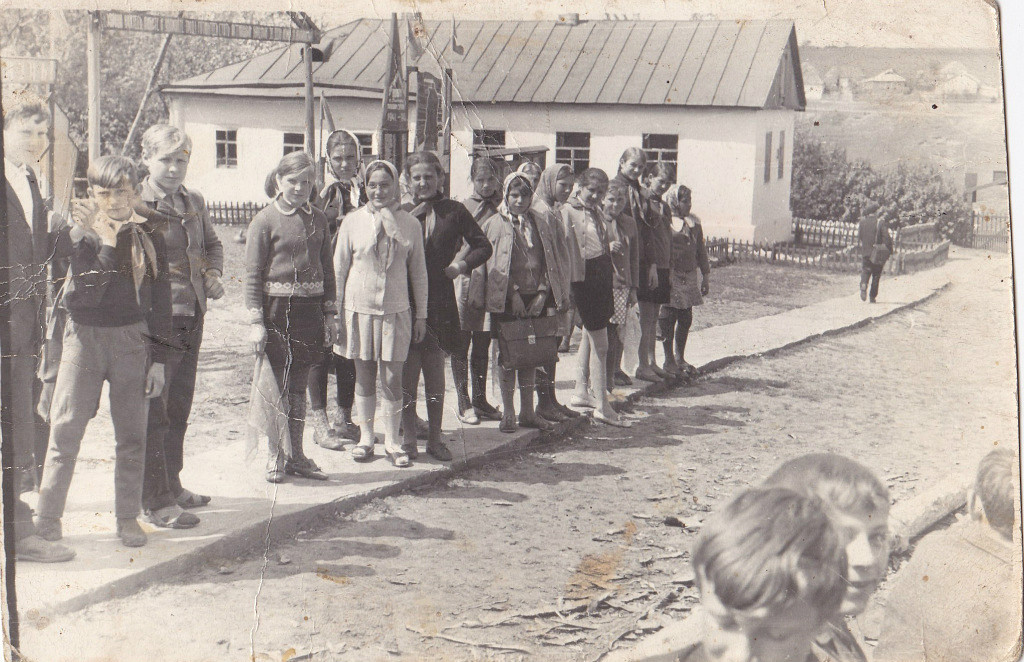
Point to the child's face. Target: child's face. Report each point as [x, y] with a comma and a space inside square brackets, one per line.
[592, 193]
[423, 180]
[296, 187]
[25, 140]
[563, 188]
[658, 185]
[485, 183]
[115, 203]
[167, 170]
[631, 168]
[344, 160]
[519, 199]
[614, 202]
[866, 539]
[684, 203]
[533, 174]
[380, 188]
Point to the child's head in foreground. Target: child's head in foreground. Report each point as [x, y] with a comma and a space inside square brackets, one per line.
[858, 503]
[26, 125]
[114, 186]
[771, 571]
[991, 498]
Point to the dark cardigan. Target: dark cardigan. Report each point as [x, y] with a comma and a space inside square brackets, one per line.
[453, 225]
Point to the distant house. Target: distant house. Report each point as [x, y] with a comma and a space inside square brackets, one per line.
[989, 197]
[960, 85]
[717, 98]
[887, 83]
[814, 84]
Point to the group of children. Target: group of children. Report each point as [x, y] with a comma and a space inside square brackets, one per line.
[785, 568]
[354, 279]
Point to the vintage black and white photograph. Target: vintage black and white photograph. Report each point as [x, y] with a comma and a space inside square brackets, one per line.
[444, 331]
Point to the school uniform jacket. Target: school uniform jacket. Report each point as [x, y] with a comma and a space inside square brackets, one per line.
[455, 237]
[28, 251]
[488, 286]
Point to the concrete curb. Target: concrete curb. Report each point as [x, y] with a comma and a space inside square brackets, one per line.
[280, 526]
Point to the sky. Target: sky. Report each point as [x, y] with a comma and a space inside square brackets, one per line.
[877, 23]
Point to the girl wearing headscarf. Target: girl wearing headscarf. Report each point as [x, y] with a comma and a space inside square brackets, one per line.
[342, 194]
[689, 280]
[520, 279]
[379, 261]
[486, 174]
[445, 226]
[552, 190]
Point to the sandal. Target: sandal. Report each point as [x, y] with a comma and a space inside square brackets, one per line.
[398, 459]
[536, 423]
[469, 417]
[361, 453]
[614, 422]
[188, 499]
[170, 517]
[583, 402]
[508, 424]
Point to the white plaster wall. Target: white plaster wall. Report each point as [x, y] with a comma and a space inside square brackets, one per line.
[772, 216]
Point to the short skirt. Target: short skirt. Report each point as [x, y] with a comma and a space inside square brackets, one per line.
[685, 289]
[593, 296]
[662, 293]
[377, 337]
[295, 330]
[620, 297]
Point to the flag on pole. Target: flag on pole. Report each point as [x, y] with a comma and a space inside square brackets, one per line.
[459, 50]
[395, 104]
[415, 49]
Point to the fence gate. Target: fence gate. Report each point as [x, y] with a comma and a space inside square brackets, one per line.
[991, 231]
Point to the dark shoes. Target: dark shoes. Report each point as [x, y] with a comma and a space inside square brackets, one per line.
[622, 379]
[37, 550]
[49, 529]
[130, 533]
[188, 499]
[439, 452]
[486, 410]
[304, 467]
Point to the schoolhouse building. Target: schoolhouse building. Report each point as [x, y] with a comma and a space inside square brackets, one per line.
[716, 98]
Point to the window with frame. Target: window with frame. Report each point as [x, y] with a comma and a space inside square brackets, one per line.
[488, 138]
[573, 149]
[661, 148]
[767, 157]
[227, 148]
[365, 144]
[294, 142]
[781, 156]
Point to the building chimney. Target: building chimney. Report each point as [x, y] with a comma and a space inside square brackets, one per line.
[569, 19]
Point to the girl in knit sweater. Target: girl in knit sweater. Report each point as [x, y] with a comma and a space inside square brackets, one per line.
[290, 298]
[379, 260]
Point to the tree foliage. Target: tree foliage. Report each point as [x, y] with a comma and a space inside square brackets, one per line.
[828, 185]
[126, 64]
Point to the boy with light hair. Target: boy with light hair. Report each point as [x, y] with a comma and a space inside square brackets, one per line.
[195, 262]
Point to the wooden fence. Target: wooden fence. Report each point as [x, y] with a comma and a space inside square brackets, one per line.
[817, 232]
[233, 213]
[990, 231]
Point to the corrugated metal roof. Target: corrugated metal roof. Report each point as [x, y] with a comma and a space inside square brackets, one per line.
[691, 63]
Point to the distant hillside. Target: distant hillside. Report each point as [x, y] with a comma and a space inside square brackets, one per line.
[912, 63]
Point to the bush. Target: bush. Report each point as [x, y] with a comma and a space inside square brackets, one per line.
[827, 185]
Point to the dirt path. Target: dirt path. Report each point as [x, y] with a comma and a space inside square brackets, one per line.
[559, 552]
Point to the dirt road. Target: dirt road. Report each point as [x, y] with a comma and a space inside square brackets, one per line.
[564, 552]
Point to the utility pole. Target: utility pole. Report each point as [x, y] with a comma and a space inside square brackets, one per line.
[94, 42]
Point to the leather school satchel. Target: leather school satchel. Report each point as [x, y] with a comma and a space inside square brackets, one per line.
[528, 343]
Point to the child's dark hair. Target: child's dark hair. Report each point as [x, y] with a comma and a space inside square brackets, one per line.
[617, 186]
[421, 158]
[770, 548]
[113, 171]
[592, 176]
[496, 167]
[660, 169]
[519, 181]
[844, 485]
[338, 138]
[633, 153]
[25, 110]
[290, 164]
[994, 486]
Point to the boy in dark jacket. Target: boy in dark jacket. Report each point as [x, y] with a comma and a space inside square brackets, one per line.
[120, 317]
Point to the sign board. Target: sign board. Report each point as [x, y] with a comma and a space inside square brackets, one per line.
[142, 22]
[28, 71]
[429, 112]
